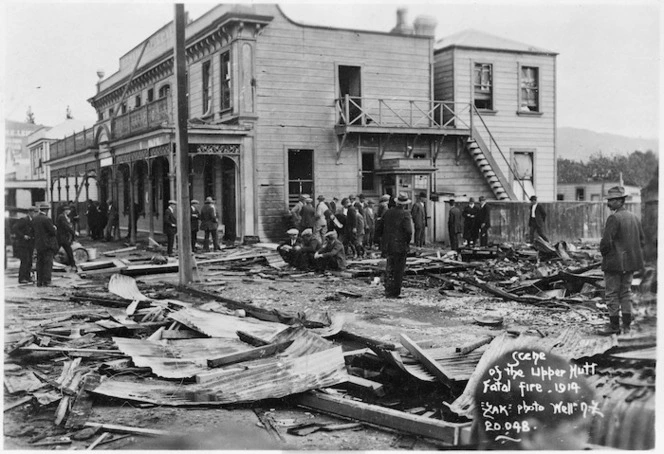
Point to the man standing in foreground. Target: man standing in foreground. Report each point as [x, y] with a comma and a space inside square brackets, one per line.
[419, 214]
[622, 254]
[536, 220]
[455, 226]
[46, 245]
[65, 234]
[209, 225]
[170, 226]
[194, 219]
[484, 221]
[396, 231]
[25, 245]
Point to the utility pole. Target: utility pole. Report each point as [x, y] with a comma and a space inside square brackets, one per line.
[183, 210]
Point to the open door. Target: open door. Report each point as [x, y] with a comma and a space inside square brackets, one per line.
[350, 83]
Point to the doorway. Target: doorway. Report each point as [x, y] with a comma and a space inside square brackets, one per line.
[350, 83]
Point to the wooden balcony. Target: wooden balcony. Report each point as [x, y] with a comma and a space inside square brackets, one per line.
[72, 144]
[154, 115]
[411, 116]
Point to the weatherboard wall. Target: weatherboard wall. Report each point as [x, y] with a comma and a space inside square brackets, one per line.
[296, 87]
[512, 130]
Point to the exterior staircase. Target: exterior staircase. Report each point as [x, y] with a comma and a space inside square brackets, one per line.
[485, 162]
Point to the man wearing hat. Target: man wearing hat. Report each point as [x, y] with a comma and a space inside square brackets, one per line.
[484, 221]
[383, 206]
[321, 222]
[194, 218]
[536, 220]
[46, 244]
[307, 215]
[113, 222]
[209, 225]
[290, 248]
[65, 234]
[470, 227]
[419, 214]
[369, 224]
[455, 226]
[331, 256]
[296, 211]
[170, 226]
[25, 244]
[309, 246]
[622, 254]
[396, 231]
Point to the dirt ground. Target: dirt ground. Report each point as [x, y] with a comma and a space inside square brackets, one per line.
[426, 315]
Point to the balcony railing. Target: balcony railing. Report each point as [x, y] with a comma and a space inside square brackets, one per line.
[148, 117]
[72, 144]
[404, 113]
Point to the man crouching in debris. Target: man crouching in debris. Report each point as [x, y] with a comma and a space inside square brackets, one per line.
[516, 408]
[310, 244]
[290, 248]
[331, 256]
[622, 254]
[396, 231]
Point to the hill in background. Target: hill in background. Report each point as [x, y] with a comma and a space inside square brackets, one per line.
[581, 144]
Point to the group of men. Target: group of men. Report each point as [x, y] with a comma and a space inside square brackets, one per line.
[36, 231]
[205, 219]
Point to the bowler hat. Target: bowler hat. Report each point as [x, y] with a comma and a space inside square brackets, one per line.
[292, 231]
[44, 206]
[209, 200]
[616, 192]
[403, 199]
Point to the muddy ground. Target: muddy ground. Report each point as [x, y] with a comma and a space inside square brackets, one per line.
[427, 315]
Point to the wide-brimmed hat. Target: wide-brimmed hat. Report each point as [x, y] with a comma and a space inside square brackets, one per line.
[292, 231]
[307, 232]
[616, 192]
[384, 197]
[44, 206]
[304, 196]
[194, 202]
[402, 199]
[209, 200]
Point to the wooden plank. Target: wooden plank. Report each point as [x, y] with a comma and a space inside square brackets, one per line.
[367, 385]
[430, 363]
[132, 430]
[256, 353]
[69, 350]
[98, 440]
[381, 416]
[82, 405]
[18, 403]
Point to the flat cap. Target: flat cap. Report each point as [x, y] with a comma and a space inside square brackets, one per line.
[292, 231]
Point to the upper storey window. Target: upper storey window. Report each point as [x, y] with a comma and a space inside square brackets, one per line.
[226, 81]
[483, 86]
[529, 95]
[164, 91]
[207, 87]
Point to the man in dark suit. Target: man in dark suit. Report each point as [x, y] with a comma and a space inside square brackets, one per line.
[170, 226]
[113, 223]
[455, 226]
[396, 231]
[331, 256]
[195, 218]
[470, 227]
[536, 220]
[46, 245]
[419, 214]
[209, 225]
[484, 221]
[65, 234]
[289, 249]
[25, 244]
[308, 247]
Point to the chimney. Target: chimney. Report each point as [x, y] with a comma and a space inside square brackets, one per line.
[402, 26]
[425, 26]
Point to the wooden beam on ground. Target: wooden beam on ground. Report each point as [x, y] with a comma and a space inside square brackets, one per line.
[427, 360]
[467, 348]
[82, 405]
[255, 353]
[131, 430]
[18, 403]
[366, 385]
[381, 416]
[69, 350]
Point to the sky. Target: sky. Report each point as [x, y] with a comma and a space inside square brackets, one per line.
[608, 68]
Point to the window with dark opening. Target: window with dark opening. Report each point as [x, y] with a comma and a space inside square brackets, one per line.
[483, 86]
[207, 87]
[137, 102]
[208, 177]
[350, 94]
[368, 171]
[226, 81]
[150, 95]
[164, 91]
[300, 174]
[580, 194]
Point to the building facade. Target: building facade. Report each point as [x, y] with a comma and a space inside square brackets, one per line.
[21, 188]
[275, 109]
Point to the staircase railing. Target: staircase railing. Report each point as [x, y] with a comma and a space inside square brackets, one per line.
[475, 133]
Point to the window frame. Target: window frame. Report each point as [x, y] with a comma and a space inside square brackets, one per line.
[366, 175]
[206, 87]
[580, 190]
[533, 153]
[225, 81]
[520, 68]
[292, 198]
[492, 90]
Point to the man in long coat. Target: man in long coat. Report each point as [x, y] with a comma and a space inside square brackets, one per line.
[622, 254]
[194, 219]
[46, 245]
[396, 231]
[470, 227]
[484, 221]
[419, 214]
[307, 215]
[209, 225]
[536, 220]
[455, 226]
[25, 244]
[65, 234]
[170, 226]
[113, 222]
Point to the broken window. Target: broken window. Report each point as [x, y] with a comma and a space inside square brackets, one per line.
[529, 101]
[207, 87]
[483, 86]
[523, 177]
[368, 171]
[300, 174]
[226, 81]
